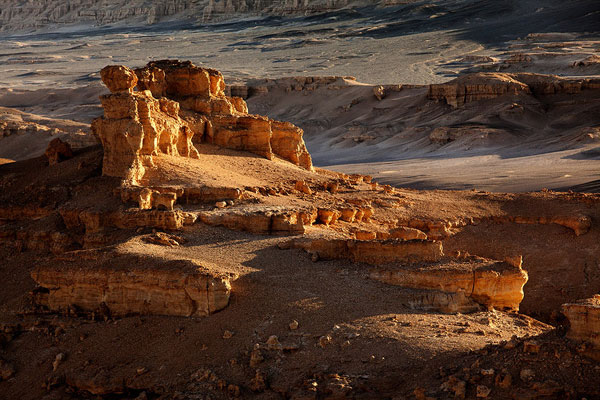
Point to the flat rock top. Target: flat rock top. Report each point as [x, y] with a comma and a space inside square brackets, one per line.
[122, 259]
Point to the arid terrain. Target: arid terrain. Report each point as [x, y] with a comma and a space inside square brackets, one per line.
[332, 199]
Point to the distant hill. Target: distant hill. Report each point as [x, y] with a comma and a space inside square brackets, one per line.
[27, 14]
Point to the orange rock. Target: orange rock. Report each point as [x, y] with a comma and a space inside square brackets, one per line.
[287, 142]
[365, 235]
[127, 284]
[58, 151]
[328, 217]
[367, 213]
[118, 78]
[239, 105]
[301, 186]
[267, 221]
[584, 318]
[139, 125]
[406, 233]
[135, 128]
[490, 283]
[372, 252]
[348, 214]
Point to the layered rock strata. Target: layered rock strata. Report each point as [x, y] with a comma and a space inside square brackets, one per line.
[125, 284]
[487, 85]
[580, 224]
[176, 105]
[584, 318]
[492, 284]
[15, 14]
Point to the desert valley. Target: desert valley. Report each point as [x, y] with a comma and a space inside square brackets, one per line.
[206, 199]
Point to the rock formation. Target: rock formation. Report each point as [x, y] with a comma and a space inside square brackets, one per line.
[177, 105]
[58, 151]
[584, 317]
[487, 85]
[14, 15]
[123, 284]
[492, 284]
[466, 89]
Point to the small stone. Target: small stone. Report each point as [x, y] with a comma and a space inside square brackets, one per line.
[527, 375]
[531, 346]
[141, 370]
[487, 372]
[230, 203]
[256, 358]
[258, 383]
[233, 390]
[294, 325]
[220, 204]
[324, 340]
[227, 335]
[314, 257]
[483, 391]
[379, 92]
[301, 186]
[57, 360]
[503, 380]
[6, 370]
[273, 343]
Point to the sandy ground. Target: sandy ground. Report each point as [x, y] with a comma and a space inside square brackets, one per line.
[555, 170]
[380, 345]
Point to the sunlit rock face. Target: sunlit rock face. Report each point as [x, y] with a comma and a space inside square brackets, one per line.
[167, 106]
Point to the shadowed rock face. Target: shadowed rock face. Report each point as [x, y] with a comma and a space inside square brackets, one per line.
[482, 86]
[39, 13]
[584, 317]
[489, 283]
[178, 104]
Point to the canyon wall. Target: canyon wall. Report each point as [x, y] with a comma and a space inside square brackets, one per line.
[24, 14]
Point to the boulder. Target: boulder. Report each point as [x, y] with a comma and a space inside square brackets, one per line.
[58, 151]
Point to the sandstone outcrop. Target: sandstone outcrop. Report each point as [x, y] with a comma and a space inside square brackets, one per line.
[584, 318]
[178, 104]
[260, 220]
[58, 151]
[490, 283]
[488, 85]
[438, 229]
[474, 87]
[129, 284]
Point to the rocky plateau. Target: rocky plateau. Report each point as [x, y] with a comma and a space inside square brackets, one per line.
[196, 252]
